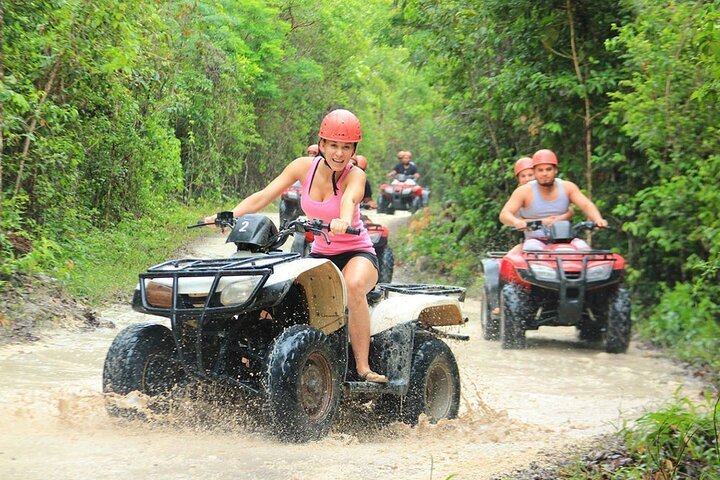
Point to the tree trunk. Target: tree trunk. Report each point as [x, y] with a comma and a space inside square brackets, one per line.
[33, 123]
[586, 101]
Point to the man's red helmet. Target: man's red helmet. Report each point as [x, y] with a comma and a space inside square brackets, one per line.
[523, 164]
[341, 126]
[312, 150]
[361, 161]
[544, 157]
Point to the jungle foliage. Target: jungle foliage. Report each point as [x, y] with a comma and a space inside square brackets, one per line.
[626, 94]
[112, 111]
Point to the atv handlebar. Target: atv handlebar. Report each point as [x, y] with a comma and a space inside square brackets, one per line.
[578, 227]
[222, 219]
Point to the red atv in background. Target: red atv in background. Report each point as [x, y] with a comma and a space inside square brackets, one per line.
[562, 283]
[386, 259]
[403, 193]
[290, 204]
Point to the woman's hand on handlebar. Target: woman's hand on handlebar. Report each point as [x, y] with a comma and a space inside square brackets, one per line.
[338, 226]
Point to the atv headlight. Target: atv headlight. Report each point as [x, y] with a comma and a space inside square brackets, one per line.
[599, 273]
[239, 292]
[407, 191]
[543, 272]
[375, 237]
[389, 190]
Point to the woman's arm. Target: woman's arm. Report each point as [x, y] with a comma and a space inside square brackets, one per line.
[257, 201]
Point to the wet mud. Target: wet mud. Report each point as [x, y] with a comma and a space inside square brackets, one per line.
[517, 407]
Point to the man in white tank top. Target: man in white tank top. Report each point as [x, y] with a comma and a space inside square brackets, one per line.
[546, 198]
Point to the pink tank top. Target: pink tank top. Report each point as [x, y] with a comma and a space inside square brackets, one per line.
[328, 210]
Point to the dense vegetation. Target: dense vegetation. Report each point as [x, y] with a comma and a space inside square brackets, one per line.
[112, 112]
[626, 94]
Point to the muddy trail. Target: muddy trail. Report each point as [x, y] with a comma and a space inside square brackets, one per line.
[517, 407]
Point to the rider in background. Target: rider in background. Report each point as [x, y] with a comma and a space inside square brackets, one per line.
[332, 191]
[312, 150]
[361, 162]
[524, 170]
[546, 199]
[405, 166]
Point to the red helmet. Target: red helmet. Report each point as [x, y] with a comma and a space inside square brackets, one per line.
[341, 126]
[401, 154]
[523, 164]
[312, 150]
[545, 156]
[361, 161]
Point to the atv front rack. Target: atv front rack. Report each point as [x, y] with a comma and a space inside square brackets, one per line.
[422, 289]
[215, 269]
[203, 304]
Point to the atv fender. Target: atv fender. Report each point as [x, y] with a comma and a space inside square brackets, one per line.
[491, 268]
[324, 289]
[429, 310]
[391, 352]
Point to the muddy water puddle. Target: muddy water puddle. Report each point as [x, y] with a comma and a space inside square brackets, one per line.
[516, 406]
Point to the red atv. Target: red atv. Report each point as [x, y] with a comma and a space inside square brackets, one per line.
[403, 193]
[386, 260]
[290, 204]
[564, 282]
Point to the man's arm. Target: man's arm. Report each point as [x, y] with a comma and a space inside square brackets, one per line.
[508, 214]
[585, 204]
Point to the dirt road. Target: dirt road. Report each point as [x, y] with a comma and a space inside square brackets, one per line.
[517, 406]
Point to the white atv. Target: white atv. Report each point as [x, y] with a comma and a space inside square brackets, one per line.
[273, 327]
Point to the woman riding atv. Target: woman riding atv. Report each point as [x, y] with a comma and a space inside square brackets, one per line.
[332, 191]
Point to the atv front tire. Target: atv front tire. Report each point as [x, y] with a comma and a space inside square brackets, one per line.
[303, 385]
[514, 309]
[619, 324]
[490, 323]
[142, 358]
[387, 264]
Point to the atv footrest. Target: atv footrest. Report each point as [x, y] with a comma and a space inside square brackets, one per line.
[354, 388]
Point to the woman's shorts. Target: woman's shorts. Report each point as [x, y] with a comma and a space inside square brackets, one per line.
[342, 259]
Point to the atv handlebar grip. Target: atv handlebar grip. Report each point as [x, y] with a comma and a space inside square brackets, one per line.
[353, 231]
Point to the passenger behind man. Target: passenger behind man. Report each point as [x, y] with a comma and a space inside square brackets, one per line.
[546, 199]
[405, 166]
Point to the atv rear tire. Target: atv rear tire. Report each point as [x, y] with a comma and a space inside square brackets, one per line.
[434, 387]
[490, 323]
[142, 358]
[387, 264]
[303, 385]
[301, 245]
[381, 204]
[415, 205]
[434, 383]
[287, 213]
[619, 323]
[514, 309]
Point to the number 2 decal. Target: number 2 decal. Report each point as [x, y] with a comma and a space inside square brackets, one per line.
[243, 226]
